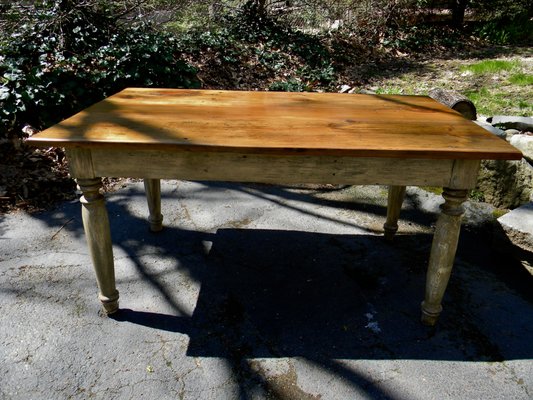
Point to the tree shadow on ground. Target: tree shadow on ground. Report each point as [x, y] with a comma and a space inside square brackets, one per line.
[271, 293]
[2, 227]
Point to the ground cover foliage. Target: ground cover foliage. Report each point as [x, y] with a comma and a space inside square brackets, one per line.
[58, 57]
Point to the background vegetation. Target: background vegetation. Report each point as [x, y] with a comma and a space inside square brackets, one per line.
[59, 56]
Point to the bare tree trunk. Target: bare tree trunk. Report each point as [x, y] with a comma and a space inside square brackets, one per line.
[258, 7]
[261, 6]
[458, 12]
[66, 5]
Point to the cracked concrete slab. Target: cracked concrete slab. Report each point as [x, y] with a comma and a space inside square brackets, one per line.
[260, 292]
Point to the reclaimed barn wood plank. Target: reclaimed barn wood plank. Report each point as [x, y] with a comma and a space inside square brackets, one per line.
[278, 123]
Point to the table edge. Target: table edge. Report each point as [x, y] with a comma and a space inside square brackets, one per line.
[283, 151]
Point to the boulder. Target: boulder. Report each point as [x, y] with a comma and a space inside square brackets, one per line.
[509, 133]
[511, 122]
[524, 143]
[506, 184]
[517, 225]
[345, 88]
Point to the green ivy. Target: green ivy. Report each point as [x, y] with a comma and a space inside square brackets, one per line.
[59, 63]
[290, 85]
[250, 25]
[248, 37]
[506, 31]
[422, 37]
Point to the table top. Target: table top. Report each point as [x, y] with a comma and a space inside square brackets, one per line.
[277, 123]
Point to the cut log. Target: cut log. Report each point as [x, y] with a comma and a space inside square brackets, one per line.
[455, 101]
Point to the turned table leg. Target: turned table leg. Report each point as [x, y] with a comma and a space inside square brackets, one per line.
[98, 234]
[442, 253]
[394, 205]
[153, 196]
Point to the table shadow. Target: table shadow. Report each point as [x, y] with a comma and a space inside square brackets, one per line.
[274, 293]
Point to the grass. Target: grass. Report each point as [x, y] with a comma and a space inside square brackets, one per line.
[505, 88]
[476, 195]
[499, 86]
[491, 66]
[432, 189]
[524, 105]
[521, 79]
[492, 101]
[496, 86]
[497, 213]
[391, 90]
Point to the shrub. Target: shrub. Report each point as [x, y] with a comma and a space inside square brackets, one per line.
[290, 85]
[506, 30]
[60, 60]
[421, 38]
[251, 49]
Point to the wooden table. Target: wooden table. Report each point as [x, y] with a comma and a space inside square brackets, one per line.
[275, 138]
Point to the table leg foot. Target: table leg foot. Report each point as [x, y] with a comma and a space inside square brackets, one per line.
[394, 206]
[153, 197]
[98, 235]
[442, 255]
[430, 318]
[109, 304]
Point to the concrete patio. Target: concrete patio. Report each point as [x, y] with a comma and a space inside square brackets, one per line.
[260, 292]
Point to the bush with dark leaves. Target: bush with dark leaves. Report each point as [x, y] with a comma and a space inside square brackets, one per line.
[61, 59]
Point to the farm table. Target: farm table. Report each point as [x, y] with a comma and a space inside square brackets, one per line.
[272, 137]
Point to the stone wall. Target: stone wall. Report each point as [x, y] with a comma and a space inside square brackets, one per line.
[508, 184]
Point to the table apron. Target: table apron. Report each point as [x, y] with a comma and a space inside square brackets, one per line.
[266, 168]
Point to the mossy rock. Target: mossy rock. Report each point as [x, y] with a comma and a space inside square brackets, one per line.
[506, 184]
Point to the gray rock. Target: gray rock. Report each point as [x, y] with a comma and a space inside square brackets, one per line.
[524, 143]
[344, 88]
[510, 122]
[512, 132]
[518, 227]
[506, 184]
[520, 222]
[496, 131]
[509, 133]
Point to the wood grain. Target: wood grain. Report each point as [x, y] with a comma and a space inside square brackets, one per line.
[277, 123]
[442, 256]
[80, 163]
[267, 168]
[394, 207]
[98, 235]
